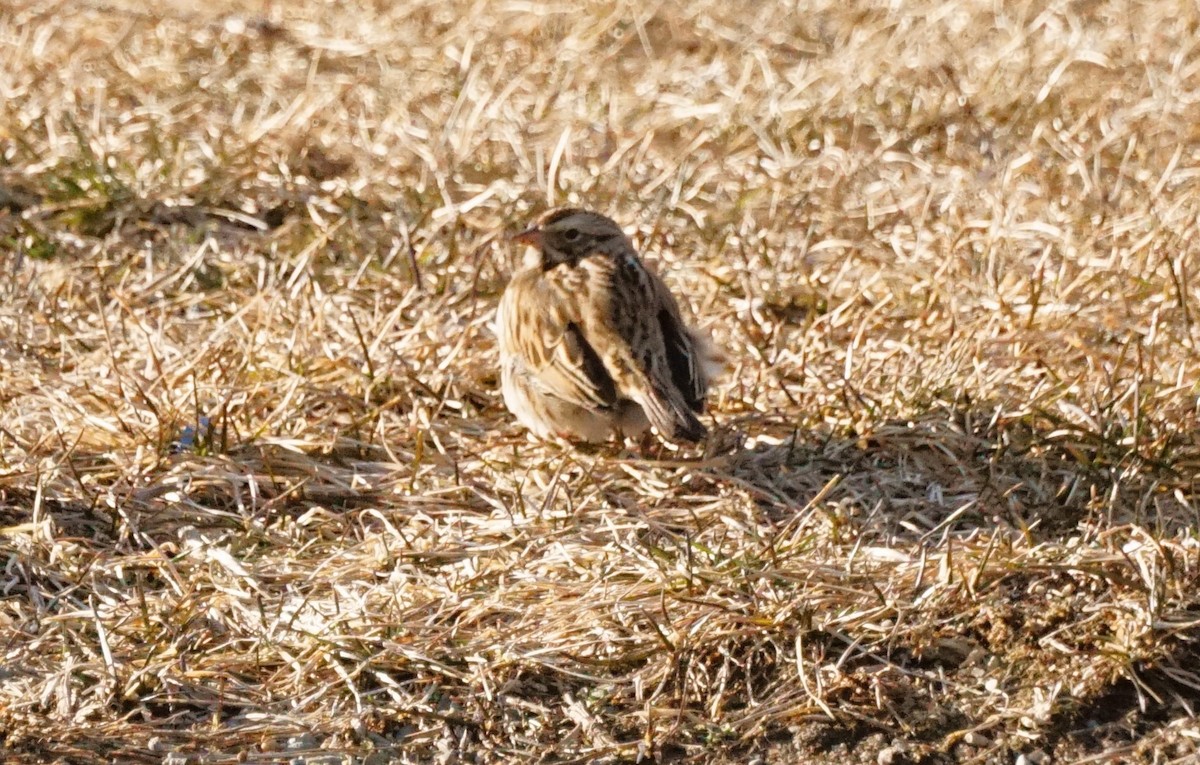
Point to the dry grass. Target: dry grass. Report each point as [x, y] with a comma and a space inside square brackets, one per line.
[260, 499]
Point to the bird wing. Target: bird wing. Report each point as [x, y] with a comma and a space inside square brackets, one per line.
[539, 326]
[647, 357]
[680, 344]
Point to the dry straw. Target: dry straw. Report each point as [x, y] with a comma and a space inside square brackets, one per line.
[260, 500]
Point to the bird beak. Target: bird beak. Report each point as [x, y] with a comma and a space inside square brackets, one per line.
[531, 236]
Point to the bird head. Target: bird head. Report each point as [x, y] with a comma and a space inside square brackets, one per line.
[567, 235]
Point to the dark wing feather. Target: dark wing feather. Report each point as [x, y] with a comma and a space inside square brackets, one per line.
[681, 359]
[583, 356]
[682, 354]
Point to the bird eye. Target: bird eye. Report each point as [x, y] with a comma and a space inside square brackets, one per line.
[571, 234]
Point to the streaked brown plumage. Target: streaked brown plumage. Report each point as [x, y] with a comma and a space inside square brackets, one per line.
[592, 344]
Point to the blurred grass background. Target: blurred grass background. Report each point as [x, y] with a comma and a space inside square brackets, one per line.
[260, 500]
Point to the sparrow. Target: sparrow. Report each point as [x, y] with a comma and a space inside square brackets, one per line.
[592, 343]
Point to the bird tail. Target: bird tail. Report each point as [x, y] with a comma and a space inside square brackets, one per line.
[668, 412]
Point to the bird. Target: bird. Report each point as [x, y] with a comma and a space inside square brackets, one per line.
[592, 344]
